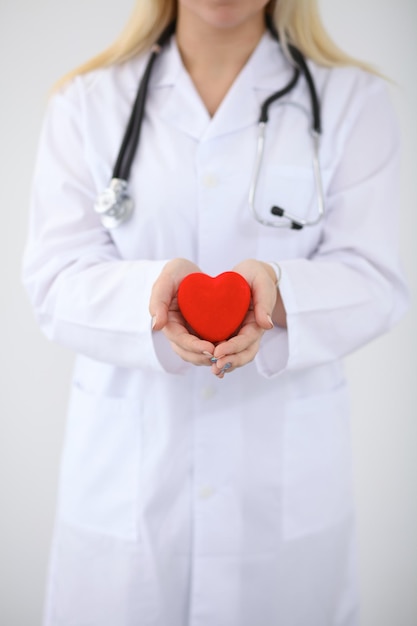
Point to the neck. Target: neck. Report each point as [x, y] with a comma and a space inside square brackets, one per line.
[212, 50]
[213, 55]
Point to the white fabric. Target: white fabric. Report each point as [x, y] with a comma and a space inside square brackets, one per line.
[187, 500]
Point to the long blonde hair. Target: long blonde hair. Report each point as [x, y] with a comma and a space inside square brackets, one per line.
[297, 22]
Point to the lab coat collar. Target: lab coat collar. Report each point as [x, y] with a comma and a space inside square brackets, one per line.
[177, 101]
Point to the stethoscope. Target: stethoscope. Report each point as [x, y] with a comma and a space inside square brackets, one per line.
[114, 204]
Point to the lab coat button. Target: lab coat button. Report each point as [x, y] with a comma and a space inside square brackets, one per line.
[207, 393]
[206, 493]
[209, 181]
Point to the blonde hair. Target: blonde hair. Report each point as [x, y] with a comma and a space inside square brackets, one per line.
[297, 22]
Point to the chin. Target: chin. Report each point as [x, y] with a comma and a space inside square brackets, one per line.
[227, 14]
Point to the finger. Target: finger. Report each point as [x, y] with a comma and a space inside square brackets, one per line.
[227, 367]
[236, 360]
[264, 297]
[191, 357]
[249, 334]
[262, 280]
[196, 358]
[228, 364]
[185, 342]
[163, 292]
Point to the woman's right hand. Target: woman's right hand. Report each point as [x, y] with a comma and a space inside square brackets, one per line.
[166, 316]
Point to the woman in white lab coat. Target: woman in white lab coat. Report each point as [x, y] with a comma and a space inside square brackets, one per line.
[212, 495]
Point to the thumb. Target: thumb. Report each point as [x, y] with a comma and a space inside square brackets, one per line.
[263, 318]
[160, 318]
[163, 292]
[263, 302]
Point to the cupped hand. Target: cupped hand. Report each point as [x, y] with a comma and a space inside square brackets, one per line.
[266, 305]
[166, 316]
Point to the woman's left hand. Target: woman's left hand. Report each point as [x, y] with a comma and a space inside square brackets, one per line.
[266, 305]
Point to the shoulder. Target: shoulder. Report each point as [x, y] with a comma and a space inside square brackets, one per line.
[120, 80]
[347, 88]
[346, 82]
[100, 86]
[350, 94]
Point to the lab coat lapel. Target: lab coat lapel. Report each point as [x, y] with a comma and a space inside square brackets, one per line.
[174, 97]
[258, 79]
[177, 102]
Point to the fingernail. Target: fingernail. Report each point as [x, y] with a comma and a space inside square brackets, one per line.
[213, 359]
[225, 368]
[207, 353]
[153, 321]
[269, 318]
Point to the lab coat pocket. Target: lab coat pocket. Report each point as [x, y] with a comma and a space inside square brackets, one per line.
[100, 464]
[317, 463]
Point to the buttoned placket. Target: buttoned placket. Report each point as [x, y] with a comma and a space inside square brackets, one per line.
[216, 498]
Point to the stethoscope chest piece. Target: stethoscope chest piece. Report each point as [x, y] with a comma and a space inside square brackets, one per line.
[114, 205]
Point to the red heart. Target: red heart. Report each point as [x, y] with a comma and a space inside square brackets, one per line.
[214, 307]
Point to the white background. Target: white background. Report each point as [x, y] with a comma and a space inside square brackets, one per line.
[39, 41]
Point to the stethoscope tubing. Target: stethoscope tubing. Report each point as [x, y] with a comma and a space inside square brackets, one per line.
[131, 137]
[115, 205]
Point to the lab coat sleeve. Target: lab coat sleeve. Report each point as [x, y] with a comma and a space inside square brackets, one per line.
[85, 296]
[352, 288]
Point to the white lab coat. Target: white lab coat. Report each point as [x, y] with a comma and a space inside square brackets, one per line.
[185, 500]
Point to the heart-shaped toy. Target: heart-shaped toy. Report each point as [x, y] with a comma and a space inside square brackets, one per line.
[214, 307]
